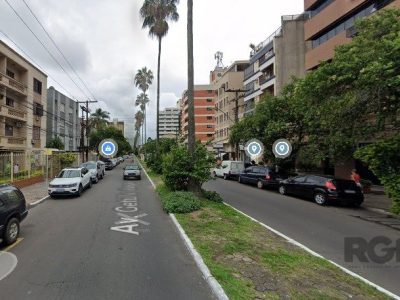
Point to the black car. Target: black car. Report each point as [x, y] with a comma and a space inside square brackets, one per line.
[12, 212]
[108, 162]
[323, 189]
[262, 176]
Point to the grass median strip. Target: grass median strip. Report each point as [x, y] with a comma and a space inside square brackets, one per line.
[251, 262]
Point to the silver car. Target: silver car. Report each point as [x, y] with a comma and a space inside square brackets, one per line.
[132, 171]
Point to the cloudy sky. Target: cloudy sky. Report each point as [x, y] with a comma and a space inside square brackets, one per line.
[104, 42]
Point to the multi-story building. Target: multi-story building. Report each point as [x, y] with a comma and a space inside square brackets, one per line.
[120, 125]
[204, 113]
[331, 24]
[63, 119]
[169, 122]
[22, 103]
[274, 61]
[225, 102]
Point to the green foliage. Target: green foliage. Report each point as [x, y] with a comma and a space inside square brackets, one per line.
[383, 159]
[99, 119]
[212, 196]
[180, 202]
[55, 143]
[178, 167]
[154, 154]
[110, 133]
[67, 159]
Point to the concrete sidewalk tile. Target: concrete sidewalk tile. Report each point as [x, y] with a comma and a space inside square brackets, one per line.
[35, 192]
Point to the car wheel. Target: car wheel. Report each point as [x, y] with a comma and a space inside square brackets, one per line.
[124, 177]
[214, 174]
[97, 179]
[80, 190]
[320, 198]
[282, 190]
[12, 231]
[89, 185]
[260, 185]
[226, 176]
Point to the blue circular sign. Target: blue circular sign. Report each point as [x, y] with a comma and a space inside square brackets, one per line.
[282, 148]
[108, 148]
[254, 148]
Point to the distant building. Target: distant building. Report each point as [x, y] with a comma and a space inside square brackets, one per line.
[230, 78]
[331, 24]
[120, 125]
[63, 119]
[169, 126]
[22, 103]
[274, 61]
[204, 113]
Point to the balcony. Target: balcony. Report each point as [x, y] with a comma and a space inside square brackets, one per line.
[249, 72]
[12, 113]
[265, 79]
[12, 142]
[13, 84]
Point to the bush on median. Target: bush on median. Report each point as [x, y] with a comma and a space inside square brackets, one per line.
[180, 202]
[212, 196]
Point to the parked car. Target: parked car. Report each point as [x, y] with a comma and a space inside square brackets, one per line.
[120, 159]
[108, 163]
[229, 169]
[132, 171]
[12, 212]
[261, 176]
[70, 181]
[95, 169]
[323, 189]
[114, 162]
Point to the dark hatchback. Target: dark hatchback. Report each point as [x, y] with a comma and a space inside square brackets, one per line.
[262, 176]
[108, 162]
[12, 212]
[323, 189]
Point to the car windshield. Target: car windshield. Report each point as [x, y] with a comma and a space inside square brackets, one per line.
[89, 165]
[69, 174]
[133, 167]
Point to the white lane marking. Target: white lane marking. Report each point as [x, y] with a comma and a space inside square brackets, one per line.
[126, 228]
[8, 262]
[151, 181]
[292, 241]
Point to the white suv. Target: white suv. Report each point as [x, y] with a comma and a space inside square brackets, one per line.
[70, 181]
[95, 169]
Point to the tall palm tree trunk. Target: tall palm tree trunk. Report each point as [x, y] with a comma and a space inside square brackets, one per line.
[145, 123]
[191, 133]
[158, 88]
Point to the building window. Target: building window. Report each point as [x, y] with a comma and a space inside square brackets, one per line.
[209, 100]
[10, 73]
[209, 108]
[209, 118]
[9, 130]
[36, 133]
[209, 135]
[37, 109]
[37, 86]
[9, 102]
[210, 126]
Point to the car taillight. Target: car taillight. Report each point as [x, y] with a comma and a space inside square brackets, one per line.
[329, 185]
[267, 177]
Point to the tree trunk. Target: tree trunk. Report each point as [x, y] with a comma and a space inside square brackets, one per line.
[145, 123]
[158, 88]
[191, 133]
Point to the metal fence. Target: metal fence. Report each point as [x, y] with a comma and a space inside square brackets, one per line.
[18, 166]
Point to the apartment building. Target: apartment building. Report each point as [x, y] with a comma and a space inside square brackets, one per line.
[331, 24]
[22, 103]
[120, 125]
[274, 61]
[204, 112]
[169, 122]
[63, 119]
[229, 79]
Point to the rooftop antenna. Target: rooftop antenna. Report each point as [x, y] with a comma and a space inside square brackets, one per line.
[219, 56]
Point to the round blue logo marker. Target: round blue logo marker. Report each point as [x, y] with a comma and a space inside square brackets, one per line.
[108, 148]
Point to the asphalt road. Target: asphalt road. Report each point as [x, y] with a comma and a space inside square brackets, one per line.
[69, 251]
[322, 229]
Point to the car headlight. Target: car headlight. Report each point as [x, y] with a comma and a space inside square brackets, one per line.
[71, 185]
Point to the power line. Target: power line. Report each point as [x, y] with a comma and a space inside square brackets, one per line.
[59, 50]
[47, 50]
[24, 52]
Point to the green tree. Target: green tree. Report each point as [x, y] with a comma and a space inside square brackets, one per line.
[143, 79]
[141, 101]
[139, 116]
[156, 14]
[110, 133]
[99, 118]
[55, 143]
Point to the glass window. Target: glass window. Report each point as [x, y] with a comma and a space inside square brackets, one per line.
[299, 179]
[9, 102]
[36, 133]
[9, 130]
[11, 196]
[349, 23]
[10, 73]
[37, 86]
[339, 28]
[331, 34]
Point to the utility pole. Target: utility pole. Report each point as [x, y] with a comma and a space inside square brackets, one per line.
[87, 127]
[236, 109]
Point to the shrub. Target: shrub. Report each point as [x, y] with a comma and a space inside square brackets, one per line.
[67, 159]
[212, 196]
[180, 202]
[179, 167]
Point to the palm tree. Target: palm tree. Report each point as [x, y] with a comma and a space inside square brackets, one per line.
[143, 79]
[191, 129]
[139, 116]
[141, 101]
[99, 118]
[155, 15]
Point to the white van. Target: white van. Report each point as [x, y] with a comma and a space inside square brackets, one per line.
[229, 169]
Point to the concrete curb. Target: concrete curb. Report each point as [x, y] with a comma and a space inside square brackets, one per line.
[211, 281]
[36, 203]
[294, 242]
[382, 211]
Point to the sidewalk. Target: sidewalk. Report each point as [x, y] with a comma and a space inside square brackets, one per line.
[35, 192]
[377, 199]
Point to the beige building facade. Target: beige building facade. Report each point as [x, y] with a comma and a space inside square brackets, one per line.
[120, 125]
[23, 94]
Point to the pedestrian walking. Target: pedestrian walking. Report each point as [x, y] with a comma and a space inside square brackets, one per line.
[16, 169]
[356, 177]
